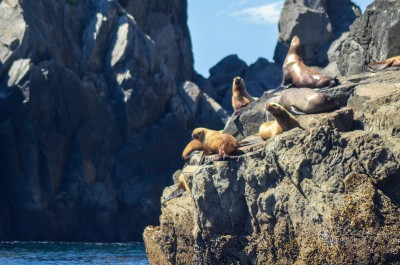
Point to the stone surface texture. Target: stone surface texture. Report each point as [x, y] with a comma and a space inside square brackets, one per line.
[90, 118]
[324, 194]
[326, 19]
[373, 37]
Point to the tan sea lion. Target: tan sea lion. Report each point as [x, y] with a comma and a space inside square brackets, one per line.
[240, 97]
[284, 121]
[194, 145]
[382, 65]
[296, 73]
[306, 101]
[215, 142]
[182, 187]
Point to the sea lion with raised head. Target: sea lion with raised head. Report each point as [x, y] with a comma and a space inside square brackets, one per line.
[296, 73]
[382, 65]
[306, 101]
[240, 97]
[284, 121]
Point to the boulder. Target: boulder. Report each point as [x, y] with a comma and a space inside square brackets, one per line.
[373, 37]
[327, 19]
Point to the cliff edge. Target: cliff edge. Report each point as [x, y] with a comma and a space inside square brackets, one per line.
[325, 194]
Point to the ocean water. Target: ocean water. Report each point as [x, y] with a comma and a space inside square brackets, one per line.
[22, 253]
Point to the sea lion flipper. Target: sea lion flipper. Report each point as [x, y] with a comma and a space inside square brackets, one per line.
[178, 192]
[296, 111]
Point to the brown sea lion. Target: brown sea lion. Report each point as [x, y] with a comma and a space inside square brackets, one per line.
[284, 121]
[215, 142]
[240, 97]
[306, 101]
[194, 145]
[296, 73]
[382, 65]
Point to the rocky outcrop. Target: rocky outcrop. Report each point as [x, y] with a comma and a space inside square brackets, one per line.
[373, 37]
[327, 20]
[166, 23]
[324, 194]
[89, 126]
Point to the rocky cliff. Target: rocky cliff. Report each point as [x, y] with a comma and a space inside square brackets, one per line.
[93, 115]
[324, 194]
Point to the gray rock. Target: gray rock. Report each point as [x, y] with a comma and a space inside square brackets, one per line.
[373, 37]
[316, 195]
[166, 24]
[327, 19]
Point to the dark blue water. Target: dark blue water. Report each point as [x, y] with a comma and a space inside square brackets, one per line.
[72, 253]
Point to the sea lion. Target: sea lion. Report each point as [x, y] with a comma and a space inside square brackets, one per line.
[240, 97]
[296, 73]
[284, 121]
[182, 187]
[194, 145]
[306, 101]
[215, 142]
[382, 65]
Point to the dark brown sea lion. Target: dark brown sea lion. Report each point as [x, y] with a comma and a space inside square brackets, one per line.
[284, 121]
[382, 65]
[306, 101]
[296, 73]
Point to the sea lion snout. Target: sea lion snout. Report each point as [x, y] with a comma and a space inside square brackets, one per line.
[237, 80]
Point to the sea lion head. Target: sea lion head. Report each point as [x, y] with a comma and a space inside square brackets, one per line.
[273, 108]
[295, 46]
[238, 83]
[198, 134]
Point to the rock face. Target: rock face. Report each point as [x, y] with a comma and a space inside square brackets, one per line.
[373, 37]
[166, 23]
[324, 194]
[88, 127]
[326, 19]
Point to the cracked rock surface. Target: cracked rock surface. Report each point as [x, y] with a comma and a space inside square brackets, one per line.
[325, 194]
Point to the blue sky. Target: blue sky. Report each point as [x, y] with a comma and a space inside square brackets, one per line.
[248, 28]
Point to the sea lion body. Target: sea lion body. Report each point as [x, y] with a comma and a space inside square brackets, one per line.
[284, 121]
[240, 97]
[382, 65]
[194, 145]
[306, 101]
[297, 73]
[215, 142]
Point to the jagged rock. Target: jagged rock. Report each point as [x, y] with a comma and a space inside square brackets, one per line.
[373, 37]
[86, 132]
[325, 194]
[328, 20]
[197, 109]
[166, 24]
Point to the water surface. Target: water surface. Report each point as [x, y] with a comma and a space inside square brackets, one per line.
[22, 253]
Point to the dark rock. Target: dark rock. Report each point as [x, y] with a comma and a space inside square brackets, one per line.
[327, 19]
[166, 24]
[87, 134]
[373, 37]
